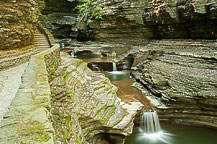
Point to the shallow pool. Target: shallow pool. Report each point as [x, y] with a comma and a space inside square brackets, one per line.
[178, 134]
[117, 75]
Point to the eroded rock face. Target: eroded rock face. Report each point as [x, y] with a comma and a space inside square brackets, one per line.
[135, 20]
[139, 19]
[60, 18]
[85, 106]
[18, 21]
[180, 78]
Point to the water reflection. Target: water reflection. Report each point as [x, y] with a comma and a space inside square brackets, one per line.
[179, 135]
[161, 137]
[117, 75]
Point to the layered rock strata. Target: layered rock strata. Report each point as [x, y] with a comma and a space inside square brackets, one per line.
[139, 19]
[60, 17]
[85, 106]
[18, 21]
[135, 20]
[180, 79]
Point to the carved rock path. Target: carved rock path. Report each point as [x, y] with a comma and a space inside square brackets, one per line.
[10, 81]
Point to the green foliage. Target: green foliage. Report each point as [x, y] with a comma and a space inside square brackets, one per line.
[90, 9]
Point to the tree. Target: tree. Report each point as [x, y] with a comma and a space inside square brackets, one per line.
[89, 10]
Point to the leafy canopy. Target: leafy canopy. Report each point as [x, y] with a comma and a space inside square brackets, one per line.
[90, 9]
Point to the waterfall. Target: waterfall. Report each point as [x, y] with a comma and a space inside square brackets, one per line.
[62, 45]
[114, 66]
[72, 54]
[150, 130]
[149, 122]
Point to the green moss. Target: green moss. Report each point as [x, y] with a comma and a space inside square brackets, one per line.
[33, 131]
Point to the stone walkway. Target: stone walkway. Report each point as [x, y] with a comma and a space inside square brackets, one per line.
[10, 81]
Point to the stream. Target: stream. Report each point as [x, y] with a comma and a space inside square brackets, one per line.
[171, 133]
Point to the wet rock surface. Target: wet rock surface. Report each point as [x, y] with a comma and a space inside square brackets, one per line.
[180, 78]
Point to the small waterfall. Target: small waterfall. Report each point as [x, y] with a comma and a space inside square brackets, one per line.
[72, 54]
[150, 130]
[114, 66]
[62, 45]
[149, 122]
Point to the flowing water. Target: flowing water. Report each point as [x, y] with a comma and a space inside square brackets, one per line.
[149, 123]
[72, 54]
[149, 131]
[114, 66]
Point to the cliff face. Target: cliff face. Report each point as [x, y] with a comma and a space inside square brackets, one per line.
[18, 21]
[182, 76]
[136, 20]
[60, 17]
[139, 19]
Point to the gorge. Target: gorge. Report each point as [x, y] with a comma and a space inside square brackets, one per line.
[88, 82]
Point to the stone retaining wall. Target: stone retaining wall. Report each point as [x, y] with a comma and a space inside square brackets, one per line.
[45, 31]
[28, 119]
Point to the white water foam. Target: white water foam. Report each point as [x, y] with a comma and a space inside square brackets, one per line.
[114, 66]
[150, 130]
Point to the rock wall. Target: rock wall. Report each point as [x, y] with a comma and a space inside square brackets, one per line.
[85, 106]
[60, 17]
[135, 20]
[56, 6]
[28, 119]
[180, 79]
[139, 19]
[18, 21]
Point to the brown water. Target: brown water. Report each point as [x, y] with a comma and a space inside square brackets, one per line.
[127, 93]
[121, 79]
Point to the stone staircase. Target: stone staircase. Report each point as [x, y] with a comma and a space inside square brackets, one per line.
[9, 58]
[40, 41]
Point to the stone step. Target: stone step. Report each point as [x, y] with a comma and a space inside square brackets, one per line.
[41, 44]
[39, 38]
[39, 35]
[15, 57]
[43, 38]
[40, 41]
